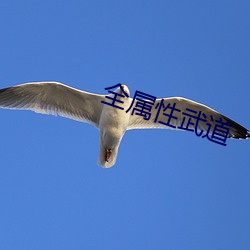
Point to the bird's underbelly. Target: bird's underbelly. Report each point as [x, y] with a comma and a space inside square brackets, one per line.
[111, 137]
[113, 124]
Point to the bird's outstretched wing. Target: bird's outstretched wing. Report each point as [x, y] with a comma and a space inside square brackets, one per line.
[181, 121]
[55, 99]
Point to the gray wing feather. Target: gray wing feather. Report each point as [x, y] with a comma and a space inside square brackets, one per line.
[55, 99]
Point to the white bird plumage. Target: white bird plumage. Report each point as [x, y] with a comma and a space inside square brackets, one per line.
[58, 99]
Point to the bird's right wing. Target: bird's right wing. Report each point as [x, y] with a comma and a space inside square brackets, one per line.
[55, 99]
[180, 120]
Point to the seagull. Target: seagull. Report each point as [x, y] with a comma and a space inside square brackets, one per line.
[113, 121]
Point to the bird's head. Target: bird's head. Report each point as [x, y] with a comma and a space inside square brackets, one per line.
[124, 89]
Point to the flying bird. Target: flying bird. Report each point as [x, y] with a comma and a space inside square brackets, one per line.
[55, 98]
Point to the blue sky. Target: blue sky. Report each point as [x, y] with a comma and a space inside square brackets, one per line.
[168, 190]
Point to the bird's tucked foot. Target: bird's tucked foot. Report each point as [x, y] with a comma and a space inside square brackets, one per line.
[108, 154]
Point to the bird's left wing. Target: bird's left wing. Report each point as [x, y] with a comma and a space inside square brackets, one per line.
[54, 98]
[181, 120]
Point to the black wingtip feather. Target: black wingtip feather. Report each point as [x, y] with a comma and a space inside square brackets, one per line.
[237, 131]
[248, 134]
[3, 90]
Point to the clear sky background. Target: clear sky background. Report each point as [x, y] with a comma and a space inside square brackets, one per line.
[168, 190]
